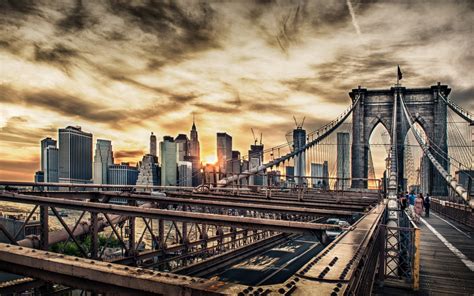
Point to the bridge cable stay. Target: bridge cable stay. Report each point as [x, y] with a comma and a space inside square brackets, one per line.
[460, 144]
[464, 114]
[320, 133]
[452, 182]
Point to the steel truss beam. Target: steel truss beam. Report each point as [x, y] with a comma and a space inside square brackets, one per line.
[102, 277]
[170, 215]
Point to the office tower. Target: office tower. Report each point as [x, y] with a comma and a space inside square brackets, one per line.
[185, 171]
[196, 169]
[256, 160]
[152, 144]
[148, 171]
[317, 175]
[290, 174]
[51, 164]
[39, 176]
[343, 161]
[182, 144]
[75, 155]
[325, 175]
[45, 143]
[122, 174]
[299, 140]
[168, 161]
[194, 149]
[244, 166]
[103, 158]
[235, 163]
[194, 155]
[224, 153]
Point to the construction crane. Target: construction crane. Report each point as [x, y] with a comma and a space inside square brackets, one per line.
[296, 123]
[255, 140]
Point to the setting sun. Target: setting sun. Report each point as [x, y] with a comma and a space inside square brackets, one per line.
[211, 159]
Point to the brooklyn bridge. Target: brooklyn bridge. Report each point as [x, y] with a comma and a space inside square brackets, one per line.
[346, 236]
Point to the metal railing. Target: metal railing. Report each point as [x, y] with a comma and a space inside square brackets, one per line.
[400, 256]
[458, 212]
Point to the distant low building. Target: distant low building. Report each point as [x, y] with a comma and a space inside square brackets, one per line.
[148, 171]
[122, 174]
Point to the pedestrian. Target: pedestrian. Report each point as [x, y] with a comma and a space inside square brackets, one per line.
[403, 201]
[411, 204]
[427, 205]
[418, 207]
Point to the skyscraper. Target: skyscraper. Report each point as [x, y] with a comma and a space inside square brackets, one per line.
[45, 143]
[343, 160]
[224, 153]
[103, 158]
[168, 161]
[75, 155]
[185, 170]
[152, 144]
[299, 140]
[194, 155]
[51, 164]
[317, 175]
[182, 144]
[194, 149]
[256, 160]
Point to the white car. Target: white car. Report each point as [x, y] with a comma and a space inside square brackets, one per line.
[332, 234]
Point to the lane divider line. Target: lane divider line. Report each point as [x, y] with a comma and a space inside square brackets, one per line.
[469, 264]
[467, 235]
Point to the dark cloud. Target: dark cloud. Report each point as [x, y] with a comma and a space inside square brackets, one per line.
[21, 166]
[23, 6]
[58, 54]
[463, 97]
[128, 153]
[69, 105]
[19, 132]
[76, 18]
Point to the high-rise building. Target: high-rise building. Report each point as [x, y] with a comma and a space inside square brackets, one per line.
[290, 174]
[317, 175]
[325, 175]
[224, 152]
[235, 163]
[45, 143]
[244, 167]
[152, 144]
[182, 146]
[149, 173]
[51, 164]
[194, 149]
[122, 174]
[75, 155]
[103, 158]
[39, 176]
[343, 161]
[168, 161]
[194, 155]
[256, 160]
[185, 171]
[299, 140]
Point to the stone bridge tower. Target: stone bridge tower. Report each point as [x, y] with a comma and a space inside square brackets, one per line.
[375, 106]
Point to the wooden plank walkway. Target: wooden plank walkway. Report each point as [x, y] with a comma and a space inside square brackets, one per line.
[442, 272]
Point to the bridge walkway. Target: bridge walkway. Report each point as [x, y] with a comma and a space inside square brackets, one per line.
[446, 261]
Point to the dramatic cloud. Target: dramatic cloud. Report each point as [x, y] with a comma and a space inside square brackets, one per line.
[122, 69]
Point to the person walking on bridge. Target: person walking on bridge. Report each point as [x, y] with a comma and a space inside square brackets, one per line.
[411, 204]
[427, 205]
[419, 202]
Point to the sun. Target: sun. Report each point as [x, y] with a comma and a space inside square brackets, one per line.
[211, 159]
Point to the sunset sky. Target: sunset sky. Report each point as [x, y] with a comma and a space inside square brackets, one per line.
[121, 69]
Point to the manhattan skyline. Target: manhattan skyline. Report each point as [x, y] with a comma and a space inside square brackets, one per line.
[121, 69]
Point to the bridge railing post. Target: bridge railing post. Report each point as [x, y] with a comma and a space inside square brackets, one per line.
[416, 260]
